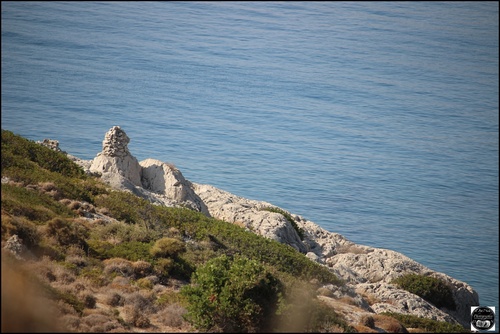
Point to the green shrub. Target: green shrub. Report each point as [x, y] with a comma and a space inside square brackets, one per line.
[429, 288]
[68, 233]
[182, 269]
[144, 283]
[233, 295]
[43, 156]
[426, 325]
[125, 206]
[133, 251]
[169, 297]
[163, 266]
[34, 206]
[167, 247]
[236, 240]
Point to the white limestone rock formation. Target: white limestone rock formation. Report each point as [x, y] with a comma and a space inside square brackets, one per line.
[51, 143]
[165, 179]
[115, 163]
[250, 213]
[158, 182]
[367, 271]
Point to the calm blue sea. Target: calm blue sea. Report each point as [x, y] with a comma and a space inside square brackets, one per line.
[376, 120]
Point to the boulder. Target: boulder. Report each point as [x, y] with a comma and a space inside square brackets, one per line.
[165, 179]
[250, 214]
[115, 163]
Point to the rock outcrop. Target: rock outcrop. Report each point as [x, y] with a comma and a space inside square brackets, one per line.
[367, 271]
[249, 213]
[115, 163]
[166, 180]
[50, 143]
[159, 182]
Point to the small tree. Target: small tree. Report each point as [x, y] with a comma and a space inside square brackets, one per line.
[233, 295]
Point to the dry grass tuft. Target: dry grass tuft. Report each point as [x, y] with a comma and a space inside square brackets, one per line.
[113, 298]
[172, 316]
[120, 266]
[354, 249]
[368, 321]
[364, 329]
[389, 324]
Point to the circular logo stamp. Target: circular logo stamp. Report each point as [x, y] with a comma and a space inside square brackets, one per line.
[483, 318]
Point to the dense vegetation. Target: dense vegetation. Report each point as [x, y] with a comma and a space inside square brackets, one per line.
[427, 325]
[108, 261]
[429, 288]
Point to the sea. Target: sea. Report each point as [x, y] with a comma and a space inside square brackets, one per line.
[375, 120]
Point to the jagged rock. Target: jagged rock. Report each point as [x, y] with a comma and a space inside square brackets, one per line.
[368, 264]
[372, 270]
[366, 271]
[158, 182]
[165, 179]
[320, 241]
[15, 245]
[391, 299]
[115, 162]
[250, 213]
[50, 143]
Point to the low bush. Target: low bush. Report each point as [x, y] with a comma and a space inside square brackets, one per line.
[41, 155]
[429, 288]
[425, 324]
[36, 207]
[133, 251]
[233, 295]
[144, 283]
[167, 247]
[23, 228]
[68, 233]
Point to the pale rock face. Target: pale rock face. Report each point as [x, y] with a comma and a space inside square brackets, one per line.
[234, 209]
[371, 271]
[463, 294]
[373, 265]
[366, 271]
[391, 299]
[163, 178]
[116, 159]
[50, 143]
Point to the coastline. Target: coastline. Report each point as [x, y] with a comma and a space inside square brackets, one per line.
[366, 270]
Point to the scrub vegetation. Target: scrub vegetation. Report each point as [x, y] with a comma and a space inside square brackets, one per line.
[79, 256]
[429, 288]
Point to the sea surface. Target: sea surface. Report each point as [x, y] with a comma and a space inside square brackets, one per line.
[375, 120]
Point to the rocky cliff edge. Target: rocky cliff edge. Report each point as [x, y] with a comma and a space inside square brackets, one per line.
[367, 271]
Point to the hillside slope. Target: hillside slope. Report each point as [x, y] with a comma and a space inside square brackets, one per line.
[99, 259]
